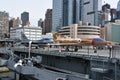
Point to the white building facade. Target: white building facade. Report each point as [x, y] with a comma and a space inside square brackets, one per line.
[80, 31]
[31, 32]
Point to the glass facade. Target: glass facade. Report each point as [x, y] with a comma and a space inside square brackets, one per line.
[115, 31]
[57, 15]
[118, 6]
[24, 18]
[74, 11]
[67, 12]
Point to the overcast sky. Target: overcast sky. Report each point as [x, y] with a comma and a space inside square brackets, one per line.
[36, 8]
[113, 3]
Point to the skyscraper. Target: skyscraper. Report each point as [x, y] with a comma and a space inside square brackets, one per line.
[48, 21]
[113, 14]
[25, 18]
[18, 21]
[67, 12]
[105, 14]
[15, 22]
[118, 6]
[57, 15]
[4, 24]
[118, 10]
[12, 22]
[41, 24]
[91, 11]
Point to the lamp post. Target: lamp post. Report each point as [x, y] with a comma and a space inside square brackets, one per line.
[29, 48]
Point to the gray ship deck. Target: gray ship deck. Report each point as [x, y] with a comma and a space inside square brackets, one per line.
[84, 64]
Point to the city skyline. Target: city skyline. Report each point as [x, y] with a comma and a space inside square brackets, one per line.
[36, 9]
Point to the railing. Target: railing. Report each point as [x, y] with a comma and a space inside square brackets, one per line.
[86, 52]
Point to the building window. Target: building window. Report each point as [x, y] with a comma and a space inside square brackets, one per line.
[86, 3]
[92, 12]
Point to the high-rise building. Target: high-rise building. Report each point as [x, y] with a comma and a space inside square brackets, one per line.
[4, 24]
[113, 14]
[118, 10]
[18, 21]
[105, 14]
[91, 11]
[105, 7]
[118, 6]
[67, 12]
[12, 22]
[57, 15]
[25, 18]
[41, 24]
[48, 21]
[15, 22]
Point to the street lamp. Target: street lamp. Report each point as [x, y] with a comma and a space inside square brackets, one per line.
[29, 48]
